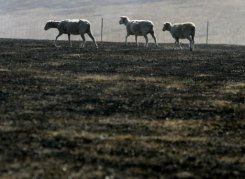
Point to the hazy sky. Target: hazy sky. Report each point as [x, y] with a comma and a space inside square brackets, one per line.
[26, 18]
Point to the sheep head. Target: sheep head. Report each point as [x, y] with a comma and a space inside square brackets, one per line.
[123, 20]
[50, 24]
[166, 26]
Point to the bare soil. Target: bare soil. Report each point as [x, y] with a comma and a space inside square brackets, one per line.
[121, 112]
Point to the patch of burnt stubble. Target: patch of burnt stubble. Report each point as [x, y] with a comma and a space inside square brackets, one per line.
[121, 112]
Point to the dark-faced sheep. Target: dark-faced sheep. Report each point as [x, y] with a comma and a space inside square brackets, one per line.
[72, 27]
[181, 31]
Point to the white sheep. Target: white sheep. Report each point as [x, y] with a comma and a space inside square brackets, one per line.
[138, 28]
[181, 31]
[72, 27]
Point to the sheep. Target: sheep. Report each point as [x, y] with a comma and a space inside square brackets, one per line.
[138, 28]
[181, 31]
[72, 27]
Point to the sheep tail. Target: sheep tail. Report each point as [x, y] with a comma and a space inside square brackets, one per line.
[89, 30]
[152, 29]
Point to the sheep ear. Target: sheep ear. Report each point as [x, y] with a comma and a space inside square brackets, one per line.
[166, 24]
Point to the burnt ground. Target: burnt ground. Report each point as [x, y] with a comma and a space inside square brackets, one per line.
[121, 112]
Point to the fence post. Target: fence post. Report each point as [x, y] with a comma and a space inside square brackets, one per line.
[207, 32]
[102, 25]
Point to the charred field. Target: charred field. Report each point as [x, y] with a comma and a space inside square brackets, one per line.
[121, 112]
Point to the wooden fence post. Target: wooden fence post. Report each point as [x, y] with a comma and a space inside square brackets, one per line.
[102, 26]
[207, 32]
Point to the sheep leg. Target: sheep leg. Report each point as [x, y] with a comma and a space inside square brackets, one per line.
[83, 41]
[177, 43]
[92, 37]
[191, 43]
[136, 41]
[154, 37]
[146, 40]
[192, 35]
[180, 46]
[69, 39]
[55, 42]
[126, 39]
